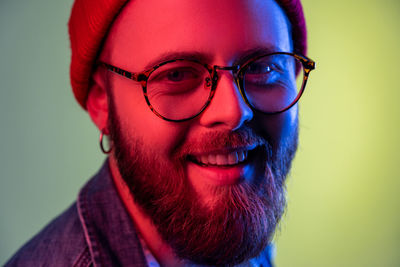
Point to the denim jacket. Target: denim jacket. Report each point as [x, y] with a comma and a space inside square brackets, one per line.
[94, 231]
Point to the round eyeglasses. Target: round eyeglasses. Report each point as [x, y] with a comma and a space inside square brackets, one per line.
[180, 89]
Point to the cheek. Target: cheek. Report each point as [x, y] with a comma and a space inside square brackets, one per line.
[278, 128]
[139, 123]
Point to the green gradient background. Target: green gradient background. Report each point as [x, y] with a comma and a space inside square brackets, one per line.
[343, 190]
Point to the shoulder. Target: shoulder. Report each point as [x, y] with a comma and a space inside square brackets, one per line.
[60, 243]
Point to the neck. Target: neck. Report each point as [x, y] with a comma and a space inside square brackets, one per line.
[143, 223]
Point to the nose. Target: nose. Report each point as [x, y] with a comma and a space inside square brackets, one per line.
[227, 108]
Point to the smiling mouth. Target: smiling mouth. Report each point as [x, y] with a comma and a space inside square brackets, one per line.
[224, 159]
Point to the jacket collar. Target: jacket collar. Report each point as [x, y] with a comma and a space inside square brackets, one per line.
[109, 231]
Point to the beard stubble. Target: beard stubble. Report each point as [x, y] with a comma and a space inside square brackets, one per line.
[242, 218]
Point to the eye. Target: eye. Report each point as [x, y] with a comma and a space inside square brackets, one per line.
[259, 68]
[262, 73]
[177, 75]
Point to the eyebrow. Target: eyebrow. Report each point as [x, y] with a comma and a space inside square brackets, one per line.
[172, 55]
[256, 51]
[242, 57]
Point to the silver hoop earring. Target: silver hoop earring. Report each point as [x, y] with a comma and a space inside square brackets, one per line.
[101, 143]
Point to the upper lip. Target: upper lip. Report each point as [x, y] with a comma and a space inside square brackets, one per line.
[224, 150]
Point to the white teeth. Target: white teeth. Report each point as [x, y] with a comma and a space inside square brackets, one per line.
[233, 158]
[223, 159]
[204, 159]
[212, 159]
[240, 156]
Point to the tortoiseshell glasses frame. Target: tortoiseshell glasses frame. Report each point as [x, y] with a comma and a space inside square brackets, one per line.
[238, 72]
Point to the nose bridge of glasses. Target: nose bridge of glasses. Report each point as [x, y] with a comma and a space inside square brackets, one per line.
[234, 70]
[230, 106]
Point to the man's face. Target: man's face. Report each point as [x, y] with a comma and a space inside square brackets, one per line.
[213, 185]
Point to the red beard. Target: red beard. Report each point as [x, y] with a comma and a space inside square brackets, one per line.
[243, 217]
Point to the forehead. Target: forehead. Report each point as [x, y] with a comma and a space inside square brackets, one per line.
[220, 29]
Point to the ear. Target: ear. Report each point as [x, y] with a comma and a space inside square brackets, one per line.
[97, 104]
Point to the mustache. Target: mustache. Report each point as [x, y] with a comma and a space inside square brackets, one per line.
[222, 140]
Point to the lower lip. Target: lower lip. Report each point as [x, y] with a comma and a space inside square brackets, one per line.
[224, 175]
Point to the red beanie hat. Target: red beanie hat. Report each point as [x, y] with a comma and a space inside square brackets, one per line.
[91, 19]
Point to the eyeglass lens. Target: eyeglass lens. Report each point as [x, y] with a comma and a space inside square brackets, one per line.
[178, 90]
[270, 83]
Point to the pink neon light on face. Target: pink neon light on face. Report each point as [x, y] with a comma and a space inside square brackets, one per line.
[216, 32]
